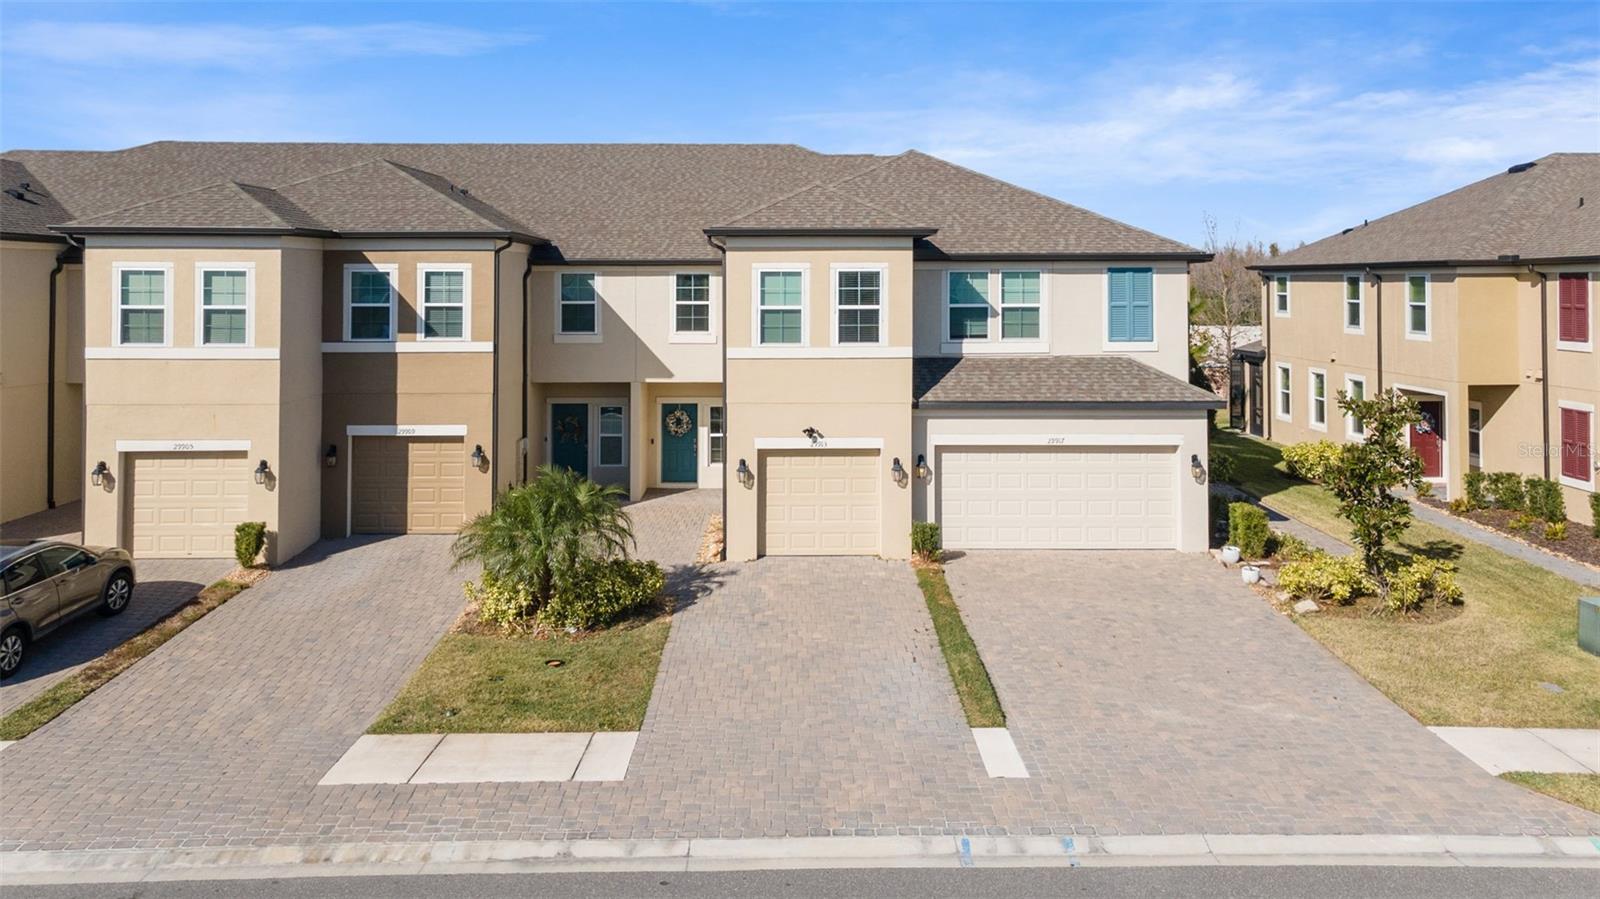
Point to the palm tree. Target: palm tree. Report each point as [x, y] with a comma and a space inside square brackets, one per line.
[539, 533]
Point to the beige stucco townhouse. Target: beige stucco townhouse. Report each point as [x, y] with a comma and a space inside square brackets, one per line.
[360, 338]
[1479, 304]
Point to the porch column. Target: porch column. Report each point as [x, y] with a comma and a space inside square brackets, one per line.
[638, 439]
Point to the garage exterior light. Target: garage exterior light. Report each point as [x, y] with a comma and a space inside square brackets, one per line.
[98, 475]
[261, 472]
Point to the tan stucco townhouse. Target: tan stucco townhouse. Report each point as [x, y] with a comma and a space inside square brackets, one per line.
[1479, 304]
[361, 338]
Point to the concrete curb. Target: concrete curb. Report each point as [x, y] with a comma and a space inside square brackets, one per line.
[364, 859]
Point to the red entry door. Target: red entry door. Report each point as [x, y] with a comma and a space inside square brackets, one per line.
[1427, 439]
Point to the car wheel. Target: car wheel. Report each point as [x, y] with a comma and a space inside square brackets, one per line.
[118, 592]
[13, 646]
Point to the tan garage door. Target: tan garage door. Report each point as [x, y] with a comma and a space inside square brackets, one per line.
[185, 505]
[820, 503]
[1068, 498]
[407, 485]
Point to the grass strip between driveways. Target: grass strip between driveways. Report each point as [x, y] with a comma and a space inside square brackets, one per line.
[971, 678]
[500, 683]
[1581, 790]
[44, 708]
[1493, 665]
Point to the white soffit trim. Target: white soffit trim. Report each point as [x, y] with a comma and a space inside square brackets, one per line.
[1055, 440]
[409, 346]
[217, 352]
[406, 430]
[183, 446]
[805, 443]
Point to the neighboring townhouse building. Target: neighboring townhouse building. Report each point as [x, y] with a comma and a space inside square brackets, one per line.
[1479, 304]
[363, 338]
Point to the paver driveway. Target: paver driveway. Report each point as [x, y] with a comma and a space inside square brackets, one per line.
[1152, 693]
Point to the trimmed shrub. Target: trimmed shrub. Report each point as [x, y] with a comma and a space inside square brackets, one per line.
[926, 540]
[603, 592]
[1424, 490]
[1460, 506]
[249, 538]
[1594, 512]
[1325, 577]
[1505, 490]
[1555, 530]
[1288, 547]
[1224, 470]
[1310, 461]
[503, 604]
[1545, 500]
[1475, 498]
[1247, 529]
[1521, 521]
[1422, 582]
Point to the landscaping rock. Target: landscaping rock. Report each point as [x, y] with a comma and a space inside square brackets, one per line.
[1306, 607]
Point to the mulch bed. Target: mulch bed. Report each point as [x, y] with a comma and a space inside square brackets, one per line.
[1581, 544]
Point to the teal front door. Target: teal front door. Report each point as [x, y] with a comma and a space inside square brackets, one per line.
[679, 443]
[569, 436]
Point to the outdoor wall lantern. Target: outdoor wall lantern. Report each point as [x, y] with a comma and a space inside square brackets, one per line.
[479, 460]
[922, 467]
[331, 457]
[1197, 469]
[262, 471]
[898, 471]
[98, 475]
[745, 476]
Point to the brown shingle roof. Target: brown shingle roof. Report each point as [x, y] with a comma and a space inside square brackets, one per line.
[27, 207]
[227, 205]
[1049, 380]
[595, 202]
[1547, 210]
[820, 208]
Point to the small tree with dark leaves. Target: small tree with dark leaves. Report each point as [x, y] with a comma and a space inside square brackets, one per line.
[1365, 475]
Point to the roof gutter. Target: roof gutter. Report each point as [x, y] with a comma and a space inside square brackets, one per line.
[1063, 405]
[821, 232]
[1509, 261]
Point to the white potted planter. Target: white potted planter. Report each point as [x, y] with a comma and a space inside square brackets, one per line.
[1250, 574]
[1230, 555]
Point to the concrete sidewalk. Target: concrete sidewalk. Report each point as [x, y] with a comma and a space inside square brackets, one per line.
[1468, 530]
[1541, 750]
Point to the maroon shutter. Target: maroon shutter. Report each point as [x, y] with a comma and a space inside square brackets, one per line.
[1572, 303]
[1576, 452]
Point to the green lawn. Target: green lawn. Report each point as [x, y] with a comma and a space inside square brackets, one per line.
[492, 683]
[1582, 790]
[977, 694]
[1483, 667]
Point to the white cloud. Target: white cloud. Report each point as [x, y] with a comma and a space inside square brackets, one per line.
[241, 47]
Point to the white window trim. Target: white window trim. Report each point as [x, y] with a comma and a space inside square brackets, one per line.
[1474, 406]
[756, 271]
[1427, 305]
[1350, 420]
[673, 334]
[1562, 437]
[593, 403]
[834, 271]
[392, 271]
[423, 269]
[1575, 346]
[708, 473]
[599, 312]
[599, 437]
[1283, 385]
[1044, 309]
[1444, 455]
[952, 342]
[117, 268]
[200, 269]
[1311, 399]
[1128, 346]
[1288, 297]
[706, 434]
[1360, 301]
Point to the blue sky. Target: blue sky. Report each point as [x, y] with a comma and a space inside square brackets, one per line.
[1284, 121]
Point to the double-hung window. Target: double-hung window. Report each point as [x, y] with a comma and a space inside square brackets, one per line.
[714, 436]
[1020, 304]
[1280, 295]
[1418, 315]
[1319, 399]
[1355, 313]
[1130, 305]
[969, 305]
[144, 295]
[1285, 391]
[691, 305]
[1355, 387]
[781, 316]
[445, 291]
[224, 305]
[611, 436]
[578, 312]
[369, 301]
[858, 296]
[1572, 312]
[1475, 436]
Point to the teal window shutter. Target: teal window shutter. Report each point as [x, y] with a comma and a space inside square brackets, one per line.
[1117, 314]
[1130, 305]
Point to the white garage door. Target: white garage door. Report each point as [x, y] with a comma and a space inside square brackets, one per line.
[185, 505]
[1058, 498]
[819, 503]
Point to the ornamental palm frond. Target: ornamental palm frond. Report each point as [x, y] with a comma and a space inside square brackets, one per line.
[539, 533]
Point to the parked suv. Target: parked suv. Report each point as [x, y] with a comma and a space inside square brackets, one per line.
[44, 584]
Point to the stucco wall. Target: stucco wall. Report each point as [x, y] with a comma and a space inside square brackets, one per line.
[635, 319]
[24, 364]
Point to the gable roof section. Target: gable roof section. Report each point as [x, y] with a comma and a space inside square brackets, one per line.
[227, 206]
[1545, 211]
[382, 197]
[27, 208]
[817, 208]
[1049, 381]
